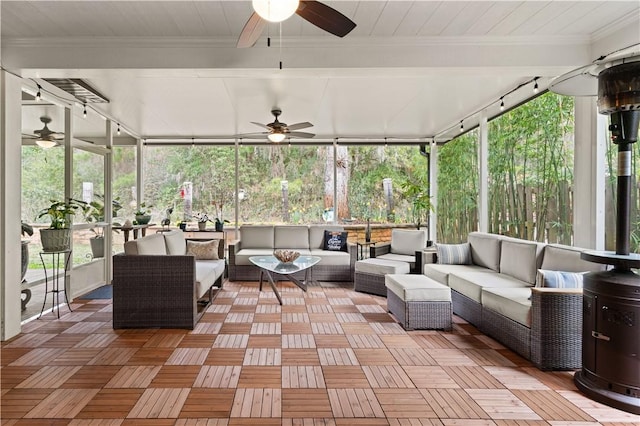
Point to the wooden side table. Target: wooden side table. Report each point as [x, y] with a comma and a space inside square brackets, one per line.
[363, 248]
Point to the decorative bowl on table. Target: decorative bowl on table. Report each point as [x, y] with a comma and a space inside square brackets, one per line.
[286, 256]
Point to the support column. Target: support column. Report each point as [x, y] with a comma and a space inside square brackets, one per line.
[589, 174]
[139, 173]
[10, 203]
[483, 174]
[108, 203]
[433, 184]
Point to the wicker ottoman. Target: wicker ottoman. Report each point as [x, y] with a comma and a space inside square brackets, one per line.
[369, 274]
[418, 302]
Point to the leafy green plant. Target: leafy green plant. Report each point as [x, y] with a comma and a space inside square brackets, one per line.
[94, 213]
[417, 193]
[143, 209]
[60, 212]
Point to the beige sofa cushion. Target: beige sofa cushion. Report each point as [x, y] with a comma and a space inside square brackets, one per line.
[520, 260]
[471, 284]
[417, 288]
[316, 235]
[558, 257]
[512, 303]
[441, 273]
[290, 237]
[149, 245]
[175, 242]
[485, 250]
[257, 236]
[203, 250]
[408, 241]
[242, 256]
[207, 272]
[377, 266]
[397, 257]
[332, 258]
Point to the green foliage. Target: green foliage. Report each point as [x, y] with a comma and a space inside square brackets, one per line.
[60, 212]
[416, 191]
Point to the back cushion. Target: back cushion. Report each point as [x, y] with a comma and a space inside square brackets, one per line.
[257, 236]
[566, 258]
[316, 234]
[485, 250]
[175, 242]
[151, 244]
[408, 241]
[519, 260]
[291, 237]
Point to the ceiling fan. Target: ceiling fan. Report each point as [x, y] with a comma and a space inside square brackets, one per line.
[46, 138]
[319, 14]
[279, 131]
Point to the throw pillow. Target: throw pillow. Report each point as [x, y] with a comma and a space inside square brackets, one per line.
[559, 279]
[203, 250]
[454, 254]
[335, 241]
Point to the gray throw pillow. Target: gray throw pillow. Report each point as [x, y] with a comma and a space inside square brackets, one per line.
[454, 254]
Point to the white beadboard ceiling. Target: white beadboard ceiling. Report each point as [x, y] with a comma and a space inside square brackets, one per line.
[410, 69]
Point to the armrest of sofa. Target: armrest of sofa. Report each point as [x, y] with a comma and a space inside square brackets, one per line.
[154, 290]
[379, 249]
[556, 328]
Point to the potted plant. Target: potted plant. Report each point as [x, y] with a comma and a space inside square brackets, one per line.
[143, 214]
[220, 224]
[202, 218]
[94, 213]
[28, 230]
[57, 236]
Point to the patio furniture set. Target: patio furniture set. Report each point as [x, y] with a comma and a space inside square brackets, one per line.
[502, 285]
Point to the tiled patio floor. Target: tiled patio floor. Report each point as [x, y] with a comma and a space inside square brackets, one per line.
[328, 356]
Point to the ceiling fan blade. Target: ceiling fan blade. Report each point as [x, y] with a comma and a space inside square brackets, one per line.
[257, 135]
[299, 126]
[251, 31]
[300, 135]
[325, 17]
[261, 125]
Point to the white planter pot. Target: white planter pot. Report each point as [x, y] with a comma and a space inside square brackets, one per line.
[55, 239]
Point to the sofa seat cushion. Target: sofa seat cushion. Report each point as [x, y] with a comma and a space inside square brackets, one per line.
[243, 255]
[441, 273]
[397, 257]
[377, 266]
[207, 272]
[332, 258]
[417, 288]
[471, 284]
[512, 303]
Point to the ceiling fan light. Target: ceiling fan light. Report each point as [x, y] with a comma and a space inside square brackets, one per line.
[46, 143]
[275, 10]
[276, 137]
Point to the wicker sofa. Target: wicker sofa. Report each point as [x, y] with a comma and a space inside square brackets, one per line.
[260, 240]
[157, 284]
[497, 292]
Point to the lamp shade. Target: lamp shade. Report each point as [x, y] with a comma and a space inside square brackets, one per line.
[46, 143]
[276, 137]
[275, 10]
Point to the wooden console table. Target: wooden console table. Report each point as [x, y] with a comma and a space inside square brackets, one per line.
[135, 229]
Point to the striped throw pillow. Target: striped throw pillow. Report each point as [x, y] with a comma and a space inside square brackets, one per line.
[559, 279]
[454, 254]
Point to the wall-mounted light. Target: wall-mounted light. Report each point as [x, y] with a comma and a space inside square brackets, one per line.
[84, 112]
[118, 131]
[535, 86]
[501, 104]
[461, 126]
[275, 10]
